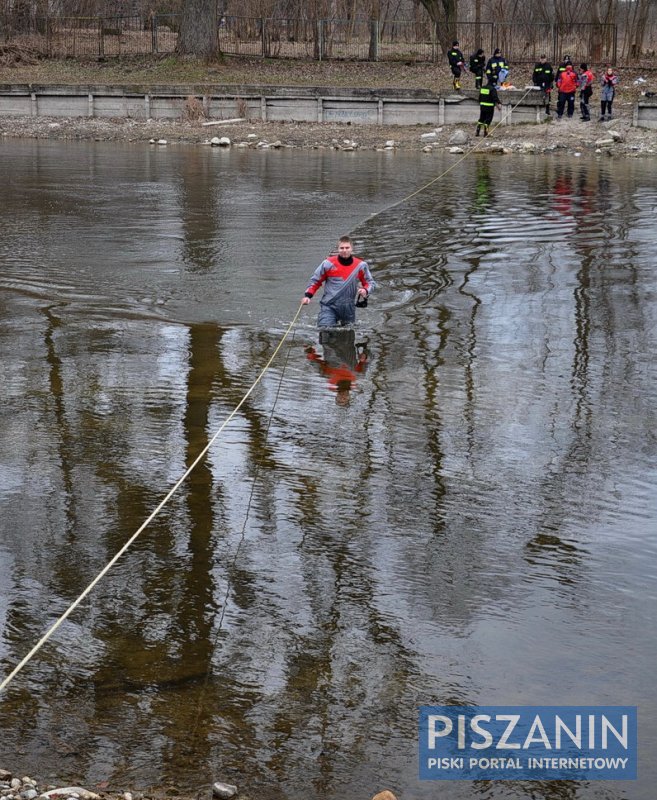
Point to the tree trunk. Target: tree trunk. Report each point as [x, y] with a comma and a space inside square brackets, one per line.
[375, 19]
[199, 30]
[443, 13]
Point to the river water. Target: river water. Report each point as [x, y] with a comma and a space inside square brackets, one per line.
[455, 504]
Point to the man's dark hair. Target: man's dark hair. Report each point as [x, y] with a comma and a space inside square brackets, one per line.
[584, 66]
[346, 239]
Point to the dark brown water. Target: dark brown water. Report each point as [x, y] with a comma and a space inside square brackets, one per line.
[473, 521]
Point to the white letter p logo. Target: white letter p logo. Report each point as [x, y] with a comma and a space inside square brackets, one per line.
[433, 733]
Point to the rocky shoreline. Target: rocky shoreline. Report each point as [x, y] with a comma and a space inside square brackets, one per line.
[26, 788]
[616, 138]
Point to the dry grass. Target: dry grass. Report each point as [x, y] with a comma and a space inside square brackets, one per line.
[154, 70]
[193, 110]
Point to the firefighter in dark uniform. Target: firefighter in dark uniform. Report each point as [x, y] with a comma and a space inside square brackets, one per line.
[562, 67]
[477, 67]
[456, 64]
[497, 69]
[543, 76]
[488, 99]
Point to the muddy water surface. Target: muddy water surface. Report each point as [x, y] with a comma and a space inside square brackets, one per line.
[456, 504]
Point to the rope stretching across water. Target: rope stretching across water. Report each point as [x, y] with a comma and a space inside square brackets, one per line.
[152, 516]
[8, 679]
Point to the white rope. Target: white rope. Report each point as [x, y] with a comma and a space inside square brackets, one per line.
[451, 166]
[147, 522]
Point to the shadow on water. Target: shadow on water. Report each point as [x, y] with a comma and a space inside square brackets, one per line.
[451, 503]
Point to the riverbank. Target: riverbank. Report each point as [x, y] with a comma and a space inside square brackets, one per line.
[26, 788]
[617, 137]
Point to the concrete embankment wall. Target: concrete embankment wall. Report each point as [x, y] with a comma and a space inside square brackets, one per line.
[277, 104]
[267, 103]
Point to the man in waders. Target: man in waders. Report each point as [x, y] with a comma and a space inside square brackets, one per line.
[488, 99]
[347, 283]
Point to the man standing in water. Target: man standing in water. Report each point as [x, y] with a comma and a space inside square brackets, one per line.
[341, 276]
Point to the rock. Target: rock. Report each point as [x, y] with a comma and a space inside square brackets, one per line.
[29, 794]
[384, 795]
[459, 137]
[617, 136]
[425, 137]
[252, 136]
[277, 144]
[151, 141]
[127, 795]
[214, 141]
[162, 141]
[528, 147]
[427, 149]
[456, 150]
[5, 776]
[223, 790]
[16, 784]
[391, 143]
[604, 142]
[67, 791]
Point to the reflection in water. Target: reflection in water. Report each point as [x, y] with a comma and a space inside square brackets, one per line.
[340, 362]
[476, 529]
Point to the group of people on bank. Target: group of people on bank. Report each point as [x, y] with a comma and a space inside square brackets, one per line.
[568, 82]
[492, 74]
[495, 70]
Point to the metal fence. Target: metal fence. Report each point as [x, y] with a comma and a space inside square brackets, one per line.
[319, 39]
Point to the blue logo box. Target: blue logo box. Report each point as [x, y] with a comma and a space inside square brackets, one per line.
[592, 743]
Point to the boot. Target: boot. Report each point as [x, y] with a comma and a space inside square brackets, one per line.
[485, 130]
[478, 129]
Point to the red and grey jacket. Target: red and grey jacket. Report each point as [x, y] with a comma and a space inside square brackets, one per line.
[586, 79]
[340, 280]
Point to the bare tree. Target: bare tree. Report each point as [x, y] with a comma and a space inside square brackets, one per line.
[443, 13]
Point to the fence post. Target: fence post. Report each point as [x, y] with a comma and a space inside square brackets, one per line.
[555, 44]
[320, 35]
[154, 33]
[101, 41]
[263, 38]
